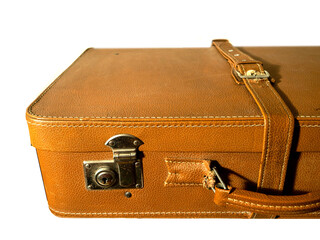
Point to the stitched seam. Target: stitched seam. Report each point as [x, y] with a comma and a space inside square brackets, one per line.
[147, 213]
[162, 117]
[253, 125]
[265, 160]
[183, 184]
[309, 125]
[189, 162]
[268, 133]
[273, 211]
[309, 116]
[173, 173]
[288, 135]
[315, 213]
[144, 126]
[274, 206]
[268, 138]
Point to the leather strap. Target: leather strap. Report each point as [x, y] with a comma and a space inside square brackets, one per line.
[268, 204]
[278, 120]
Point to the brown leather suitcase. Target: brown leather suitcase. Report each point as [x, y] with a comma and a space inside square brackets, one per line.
[182, 133]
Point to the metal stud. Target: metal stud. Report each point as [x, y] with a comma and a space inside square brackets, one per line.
[128, 194]
[111, 143]
[236, 55]
[230, 50]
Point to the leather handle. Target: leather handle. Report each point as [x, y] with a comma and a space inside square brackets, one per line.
[268, 204]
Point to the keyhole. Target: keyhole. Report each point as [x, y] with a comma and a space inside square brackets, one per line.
[105, 178]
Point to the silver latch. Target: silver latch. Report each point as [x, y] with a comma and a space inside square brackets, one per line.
[124, 171]
[252, 74]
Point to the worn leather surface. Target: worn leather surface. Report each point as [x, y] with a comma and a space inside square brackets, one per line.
[183, 103]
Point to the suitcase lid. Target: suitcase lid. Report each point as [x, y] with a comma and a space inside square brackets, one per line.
[173, 99]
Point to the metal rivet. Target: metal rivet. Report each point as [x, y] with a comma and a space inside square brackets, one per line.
[137, 164]
[111, 143]
[138, 186]
[89, 186]
[236, 55]
[128, 194]
[230, 50]
[136, 142]
[243, 60]
[87, 165]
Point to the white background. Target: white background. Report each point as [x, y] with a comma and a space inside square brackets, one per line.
[39, 39]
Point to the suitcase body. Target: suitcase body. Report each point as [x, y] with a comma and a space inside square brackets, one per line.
[170, 133]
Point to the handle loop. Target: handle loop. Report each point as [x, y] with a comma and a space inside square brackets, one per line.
[267, 204]
[260, 202]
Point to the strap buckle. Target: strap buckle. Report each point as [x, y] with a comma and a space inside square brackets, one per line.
[252, 74]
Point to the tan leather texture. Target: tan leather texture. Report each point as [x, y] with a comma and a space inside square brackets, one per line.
[67, 196]
[278, 134]
[278, 119]
[186, 107]
[152, 92]
[179, 173]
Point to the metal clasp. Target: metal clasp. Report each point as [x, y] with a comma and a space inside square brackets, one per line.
[124, 147]
[124, 171]
[252, 74]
